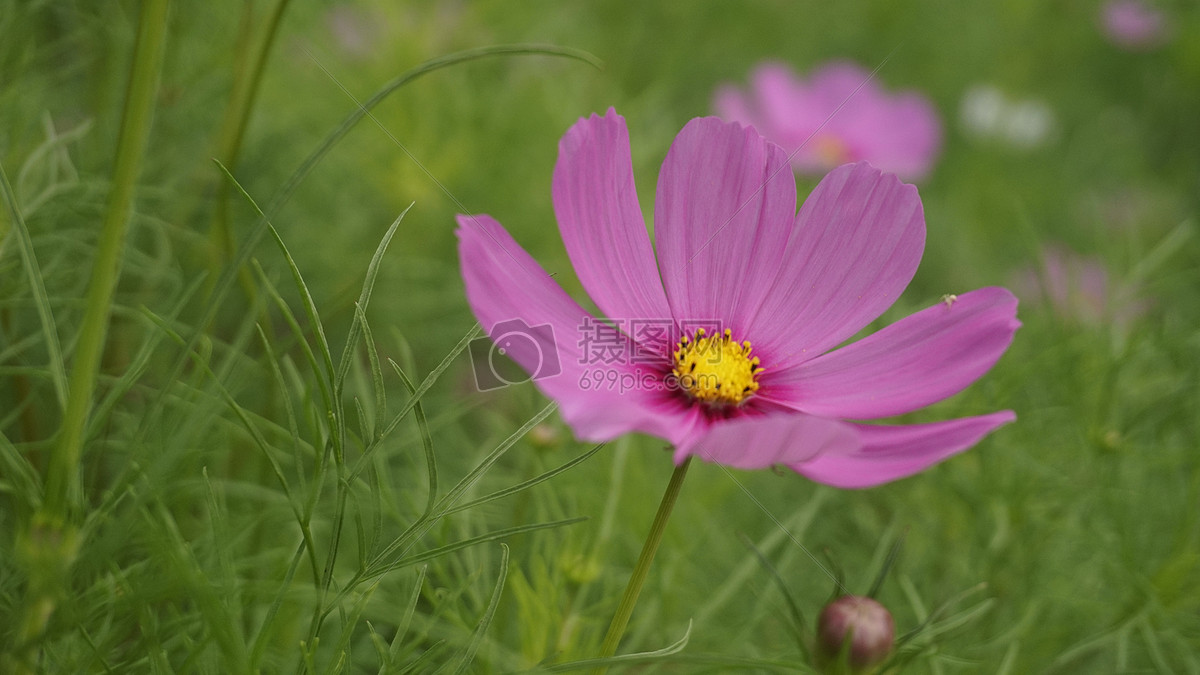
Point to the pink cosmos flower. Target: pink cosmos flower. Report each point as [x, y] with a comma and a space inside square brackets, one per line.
[1079, 288]
[762, 385]
[840, 115]
[1133, 24]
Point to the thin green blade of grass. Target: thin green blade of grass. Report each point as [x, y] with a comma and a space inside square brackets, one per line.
[520, 487]
[13, 349]
[713, 663]
[384, 568]
[402, 627]
[419, 665]
[252, 429]
[801, 627]
[381, 647]
[475, 474]
[426, 440]
[422, 525]
[1010, 658]
[961, 618]
[53, 153]
[426, 385]
[310, 357]
[97, 654]
[364, 298]
[289, 410]
[350, 623]
[141, 361]
[310, 306]
[1153, 647]
[928, 620]
[376, 373]
[377, 490]
[364, 422]
[219, 533]
[41, 299]
[20, 475]
[431, 464]
[211, 609]
[625, 659]
[797, 525]
[893, 554]
[1161, 252]
[297, 332]
[485, 621]
[259, 646]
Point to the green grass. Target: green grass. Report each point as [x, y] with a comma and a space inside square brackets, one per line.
[284, 465]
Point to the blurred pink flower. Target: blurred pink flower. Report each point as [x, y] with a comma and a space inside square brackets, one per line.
[1134, 24]
[1078, 288]
[356, 31]
[735, 264]
[839, 115]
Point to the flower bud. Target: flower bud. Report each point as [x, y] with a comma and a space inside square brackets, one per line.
[865, 623]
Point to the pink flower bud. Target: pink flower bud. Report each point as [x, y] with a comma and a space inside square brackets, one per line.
[864, 622]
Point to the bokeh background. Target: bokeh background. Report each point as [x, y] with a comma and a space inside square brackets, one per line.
[1067, 542]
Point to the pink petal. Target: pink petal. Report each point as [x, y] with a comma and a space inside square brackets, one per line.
[859, 238]
[762, 441]
[916, 361]
[601, 222]
[889, 453]
[512, 295]
[723, 214]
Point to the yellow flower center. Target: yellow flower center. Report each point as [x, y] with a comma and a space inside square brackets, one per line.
[716, 370]
[830, 150]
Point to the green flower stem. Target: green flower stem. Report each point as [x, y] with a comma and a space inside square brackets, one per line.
[616, 629]
[62, 479]
[49, 543]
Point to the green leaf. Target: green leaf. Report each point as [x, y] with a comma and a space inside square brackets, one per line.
[625, 659]
[385, 567]
[426, 441]
[525, 485]
[359, 324]
[488, 614]
[41, 300]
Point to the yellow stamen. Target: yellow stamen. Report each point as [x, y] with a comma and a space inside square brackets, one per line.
[716, 370]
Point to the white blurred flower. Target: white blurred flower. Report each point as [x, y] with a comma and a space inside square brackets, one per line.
[987, 113]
